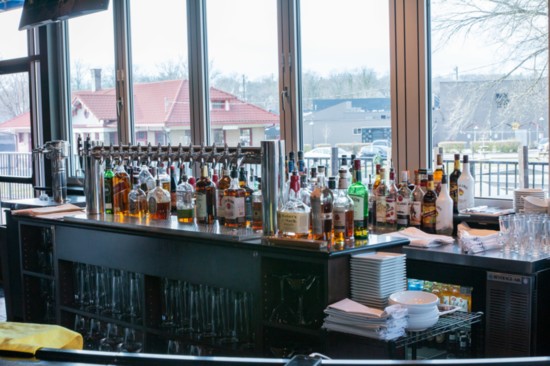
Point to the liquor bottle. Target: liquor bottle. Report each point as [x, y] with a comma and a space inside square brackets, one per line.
[301, 163]
[173, 189]
[352, 168]
[257, 207]
[215, 177]
[233, 203]
[342, 212]
[205, 205]
[248, 197]
[429, 209]
[423, 180]
[360, 197]
[453, 183]
[466, 186]
[158, 201]
[332, 186]
[293, 217]
[185, 200]
[372, 206]
[108, 184]
[164, 177]
[380, 193]
[438, 173]
[312, 178]
[121, 188]
[344, 166]
[322, 200]
[223, 184]
[137, 200]
[305, 192]
[444, 206]
[391, 203]
[416, 202]
[146, 180]
[377, 178]
[291, 164]
[403, 204]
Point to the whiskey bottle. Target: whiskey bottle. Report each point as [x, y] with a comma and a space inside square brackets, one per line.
[391, 203]
[453, 183]
[137, 200]
[233, 203]
[108, 184]
[205, 198]
[360, 197]
[403, 202]
[416, 202]
[121, 189]
[173, 189]
[248, 197]
[158, 201]
[293, 217]
[429, 209]
[223, 184]
[257, 207]
[438, 173]
[342, 212]
[185, 201]
[321, 210]
[444, 206]
[146, 180]
[164, 177]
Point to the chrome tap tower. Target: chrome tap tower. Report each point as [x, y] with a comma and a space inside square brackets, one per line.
[57, 151]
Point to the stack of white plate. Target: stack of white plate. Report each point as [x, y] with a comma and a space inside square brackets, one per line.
[422, 308]
[375, 276]
[521, 193]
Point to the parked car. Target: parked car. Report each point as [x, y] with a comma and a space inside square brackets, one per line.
[324, 153]
[372, 151]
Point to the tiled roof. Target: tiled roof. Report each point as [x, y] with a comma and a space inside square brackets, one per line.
[20, 121]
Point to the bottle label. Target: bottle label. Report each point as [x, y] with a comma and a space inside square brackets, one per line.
[358, 207]
[316, 220]
[403, 210]
[429, 215]
[133, 206]
[257, 212]
[108, 194]
[294, 222]
[339, 221]
[220, 206]
[381, 210]
[201, 205]
[453, 192]
[248, 208]
[152, 205]
[416, 213]
[391, 215]
[465, 196]
[233, 207]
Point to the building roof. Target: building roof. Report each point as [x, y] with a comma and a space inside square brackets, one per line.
[162, 103]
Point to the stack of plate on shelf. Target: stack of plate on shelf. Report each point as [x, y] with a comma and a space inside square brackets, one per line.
[375, 276]
[421, 306]
[521, 193]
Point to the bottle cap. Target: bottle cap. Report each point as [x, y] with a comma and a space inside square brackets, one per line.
[444, 179]
[357, 164]
[234, 173]
[332, 182]
[457, 156]
[465, 159]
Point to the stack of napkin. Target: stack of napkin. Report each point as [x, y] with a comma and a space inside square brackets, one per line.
[51, 212]
[418, 238]
[474, 241]
[348, 316]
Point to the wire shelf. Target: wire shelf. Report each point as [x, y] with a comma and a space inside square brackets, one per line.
[445, 324]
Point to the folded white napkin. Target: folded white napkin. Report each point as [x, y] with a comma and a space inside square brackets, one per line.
[476, 240]
[418, 238]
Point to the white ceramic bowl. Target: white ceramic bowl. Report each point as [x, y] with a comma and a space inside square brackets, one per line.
[414, 299]
[418, 323]
[432, 312]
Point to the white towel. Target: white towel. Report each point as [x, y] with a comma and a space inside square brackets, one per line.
[418, 238]
[476, 240]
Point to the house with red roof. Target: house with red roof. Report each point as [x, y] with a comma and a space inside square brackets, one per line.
[161, 115]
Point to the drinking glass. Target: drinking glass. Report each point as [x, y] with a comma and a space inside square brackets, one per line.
[131, 343]
[301, 284]
[133, 308]
[282, 313]
[112, 342]
[504, 233]
[536, 226]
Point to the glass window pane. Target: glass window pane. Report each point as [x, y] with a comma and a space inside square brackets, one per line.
[159, 57]
[490, 89]
[14, 41]
[345, 79]
[92, 62]
[242, 52]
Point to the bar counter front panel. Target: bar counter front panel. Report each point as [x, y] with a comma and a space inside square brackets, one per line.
[259, 279]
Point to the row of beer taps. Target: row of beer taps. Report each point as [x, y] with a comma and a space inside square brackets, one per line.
[172, 154]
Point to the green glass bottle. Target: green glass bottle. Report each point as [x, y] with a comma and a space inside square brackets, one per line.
[360, 196]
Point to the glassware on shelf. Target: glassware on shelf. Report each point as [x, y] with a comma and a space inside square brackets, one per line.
[112, 341]
[282, 313]
[132, 342]
[301, 285]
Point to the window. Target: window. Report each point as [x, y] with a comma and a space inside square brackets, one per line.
[345, 72]
[92, 76]
[243, 62]
[489, 82]
[160, 71]
[14, 42]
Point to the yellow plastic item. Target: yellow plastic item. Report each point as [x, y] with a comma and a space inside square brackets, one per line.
[28, 337]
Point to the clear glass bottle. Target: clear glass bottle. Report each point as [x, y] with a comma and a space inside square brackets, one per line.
[205, 204]
[305, 192]
[391, 203]
[257, 207]
[164, 177]
[453, 182]
[108, 177]
[466, 186]
[360, 197]
[146, 179]
[444, 207]
[233, 203]
[322, 200]
[137, 200]
[429, 209]
[121, 189]
[403, 204]
[342, 212]
[185, 201]
[223, 184]
[344, 166]
[158, 201]
[293, 217]
[381, 192]
[416, 202]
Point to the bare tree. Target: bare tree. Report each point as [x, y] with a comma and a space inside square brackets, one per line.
[14, 94]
